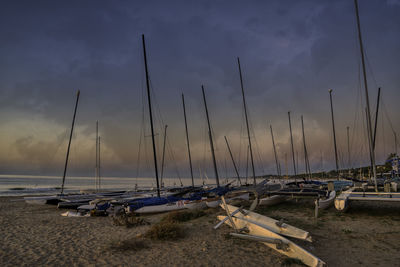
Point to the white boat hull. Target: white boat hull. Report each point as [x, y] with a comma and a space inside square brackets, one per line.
[326, 203]
[292, 250]
[41, 200]
[342, 201]
[271, 224]
[178, 205]
[75, 214]
[195, 205]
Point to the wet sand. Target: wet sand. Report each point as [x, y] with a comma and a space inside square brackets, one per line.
[36, 235]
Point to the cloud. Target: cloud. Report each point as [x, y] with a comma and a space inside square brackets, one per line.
[291, 54]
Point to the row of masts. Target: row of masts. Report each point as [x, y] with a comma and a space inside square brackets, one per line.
[210, 133]
[371, 135]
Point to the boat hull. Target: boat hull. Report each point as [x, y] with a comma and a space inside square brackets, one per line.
[326, 203]
[178, 205]
[292, 250]
[272, 200]
[271, 224]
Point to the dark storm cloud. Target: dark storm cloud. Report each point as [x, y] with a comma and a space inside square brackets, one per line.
[291, 53]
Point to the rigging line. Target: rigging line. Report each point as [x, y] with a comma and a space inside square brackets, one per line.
[361, 118]
[355, 121]
[242, 143]
[142, 130]
[204, 147]
[240, 148]
[383, 138]
[258, 150]
[387, 116]
[369, 66]
[172, 156]
[60, 142]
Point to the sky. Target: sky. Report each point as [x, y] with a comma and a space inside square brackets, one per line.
[291, 53]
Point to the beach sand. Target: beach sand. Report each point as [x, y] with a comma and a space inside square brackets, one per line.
[36, 235]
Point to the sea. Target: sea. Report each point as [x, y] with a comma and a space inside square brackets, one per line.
[22, 185]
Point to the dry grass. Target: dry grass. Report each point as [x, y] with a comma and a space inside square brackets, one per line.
[183, 216]
[128, 220]
[165, 230]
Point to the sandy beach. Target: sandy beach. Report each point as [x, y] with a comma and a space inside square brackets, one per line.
[36, 235]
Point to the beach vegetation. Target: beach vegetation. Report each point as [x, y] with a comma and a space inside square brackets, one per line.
[183, 216]
[165, 230]
[128, 220]
[347, 231]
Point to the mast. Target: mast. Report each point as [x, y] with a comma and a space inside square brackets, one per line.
[306, 162]
[163, 155]
[247, 163]
[233, 161]
[291, 141]
[276, 157]
[151, 115]
[376, 117]
[69, 143]
[210, 136]
[286, 167]
[96, 170]
[369, 143]
[187, 140]
[348, 148]
[247, 123]
[369, 124]
[334, 134]
[99, 175]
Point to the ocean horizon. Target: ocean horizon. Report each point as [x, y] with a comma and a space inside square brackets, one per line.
[17, 185]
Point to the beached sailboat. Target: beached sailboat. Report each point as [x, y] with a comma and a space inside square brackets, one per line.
[342, 202]
[327, 202]
[159, 203]
[54, 199]
[269, 223]
[260, 228]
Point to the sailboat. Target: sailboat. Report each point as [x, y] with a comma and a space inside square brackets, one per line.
[159, 203]
[342, 202]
